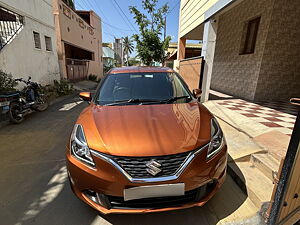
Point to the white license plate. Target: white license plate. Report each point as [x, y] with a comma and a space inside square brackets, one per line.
[4, 103]
[163, 190]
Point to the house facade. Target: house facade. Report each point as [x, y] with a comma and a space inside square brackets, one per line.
[79, 41]
[251, 48]
[27, 40]
[191, 50]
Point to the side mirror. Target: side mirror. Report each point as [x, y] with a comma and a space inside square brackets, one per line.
[85, 96]
[197, 93]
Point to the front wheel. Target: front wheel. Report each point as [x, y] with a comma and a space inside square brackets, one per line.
[15, 113]
[42, 103]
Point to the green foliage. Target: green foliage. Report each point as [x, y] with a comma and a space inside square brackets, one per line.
[133, 62]
[63, 87]
[58, 88]
[149, 45]
[70, 3]
[107, 68]
[7, 82]
[128, 47]
[93, 77]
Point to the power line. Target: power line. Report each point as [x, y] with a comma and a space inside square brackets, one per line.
[92, 4]
[99, 8]
[173, 7]
[109, 34]
[125, 15]
[114, 26]
[117, 10]
[102, 13]
[88, 4]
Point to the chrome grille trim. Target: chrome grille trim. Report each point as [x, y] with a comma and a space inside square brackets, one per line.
[187, 161]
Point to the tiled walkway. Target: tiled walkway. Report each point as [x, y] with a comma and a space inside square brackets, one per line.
[279, 116]
[269, 117]
[281, 106]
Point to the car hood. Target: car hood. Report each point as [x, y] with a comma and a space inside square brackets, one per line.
[146, 130]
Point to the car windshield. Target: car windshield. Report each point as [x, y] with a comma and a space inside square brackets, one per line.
[142, 88]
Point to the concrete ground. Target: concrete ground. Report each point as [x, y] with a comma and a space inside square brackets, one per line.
[34, 187]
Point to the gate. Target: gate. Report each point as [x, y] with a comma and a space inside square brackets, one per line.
[77, 69]
[285, 208]
[191, 71]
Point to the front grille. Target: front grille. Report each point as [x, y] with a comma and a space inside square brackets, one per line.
[162, 202]
[136, 166]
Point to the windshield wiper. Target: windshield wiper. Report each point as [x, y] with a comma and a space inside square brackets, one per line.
[132, 100]
[173, 99]
[137, 100]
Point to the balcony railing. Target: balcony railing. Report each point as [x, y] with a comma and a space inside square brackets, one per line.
[10, 25]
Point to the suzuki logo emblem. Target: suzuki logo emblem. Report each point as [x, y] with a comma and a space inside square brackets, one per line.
[153, 167]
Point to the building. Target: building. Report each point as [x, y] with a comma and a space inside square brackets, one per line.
[107, 44]
[79, 41]
[191, 50]
[119, 51]
[108, 57]
[251, 48]
[27, 40]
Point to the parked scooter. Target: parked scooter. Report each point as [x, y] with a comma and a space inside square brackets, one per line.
[27, 101]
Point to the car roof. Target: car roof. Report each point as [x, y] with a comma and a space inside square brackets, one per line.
[141, 69]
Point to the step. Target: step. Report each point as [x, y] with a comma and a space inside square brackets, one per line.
[275, 142]
[240, 146]
[265, 163]
[252, 181]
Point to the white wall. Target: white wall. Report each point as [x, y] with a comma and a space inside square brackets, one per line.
[20, 57]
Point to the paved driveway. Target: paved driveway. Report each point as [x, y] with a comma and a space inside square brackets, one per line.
[34, 188]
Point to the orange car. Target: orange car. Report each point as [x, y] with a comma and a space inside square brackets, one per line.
[145, 144]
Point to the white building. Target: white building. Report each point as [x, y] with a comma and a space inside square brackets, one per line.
[119, 51]
[28, 41]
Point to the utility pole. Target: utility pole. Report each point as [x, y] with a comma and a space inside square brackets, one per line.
[122, 50]
[165, 28]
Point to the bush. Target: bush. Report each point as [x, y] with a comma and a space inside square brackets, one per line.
[59, 88]
[7, 83]
[93, 77]
[107, 68]
[63, 87]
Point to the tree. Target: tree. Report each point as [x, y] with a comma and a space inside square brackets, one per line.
[70, 3]
[127, 47]
[149, 45]
[7, 82]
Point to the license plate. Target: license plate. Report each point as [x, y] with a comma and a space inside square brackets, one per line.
[163, 190]
[4, 103]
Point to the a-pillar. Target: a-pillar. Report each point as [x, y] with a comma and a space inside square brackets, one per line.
[208, 52]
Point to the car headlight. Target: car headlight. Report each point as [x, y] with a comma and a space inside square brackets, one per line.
[79, 146]
[217, 139]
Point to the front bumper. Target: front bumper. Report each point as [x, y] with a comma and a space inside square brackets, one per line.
[105, 184]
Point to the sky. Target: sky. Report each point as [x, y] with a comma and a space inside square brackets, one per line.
[117, 20]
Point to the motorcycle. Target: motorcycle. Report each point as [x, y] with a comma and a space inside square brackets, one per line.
[27, 101]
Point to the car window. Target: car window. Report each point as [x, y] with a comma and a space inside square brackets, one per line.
[142, 86]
